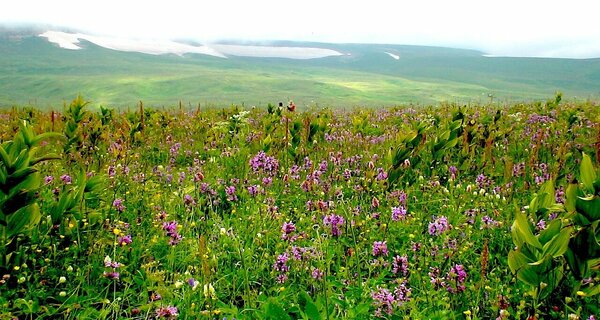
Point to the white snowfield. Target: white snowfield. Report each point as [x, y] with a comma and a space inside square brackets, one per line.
[71, 40]
[395, 56]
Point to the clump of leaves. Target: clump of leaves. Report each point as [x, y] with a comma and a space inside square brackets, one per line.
[19, 183]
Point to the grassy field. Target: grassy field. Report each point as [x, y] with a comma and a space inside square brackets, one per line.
[33, 71]
[452, 212]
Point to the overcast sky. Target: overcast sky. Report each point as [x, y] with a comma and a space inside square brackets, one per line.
[498, 27]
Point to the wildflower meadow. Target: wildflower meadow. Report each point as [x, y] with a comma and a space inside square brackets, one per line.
[411, 212]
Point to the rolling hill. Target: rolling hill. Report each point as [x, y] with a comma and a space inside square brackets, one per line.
[36, 71]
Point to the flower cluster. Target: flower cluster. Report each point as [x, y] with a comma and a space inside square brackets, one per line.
[262, 162]
[400, 265]
[118, 205]
[124, 240]
[171, 229]
[168, 312]
[286, 231]
[380, 249]
[483, 181]
[281, 267]
[385, 300]
[488, 223]
[230, 192]
[398, 213]
[455, 279]
[113, 265]
[439, 226]
[334, 222]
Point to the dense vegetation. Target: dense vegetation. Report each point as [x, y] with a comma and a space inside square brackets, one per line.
[473, 212]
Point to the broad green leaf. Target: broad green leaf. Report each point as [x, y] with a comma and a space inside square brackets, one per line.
[310, 308]
[559, 244]
[550, 232]
[16, 201]
[529, 275]
[19, 176]
[523, 229]
[546, 194]
[46, 157]
[47, 136]
[4, 157]
[589, 208]
[587, 173]
[21, 161]
[274, 311]
[516, 260]
[23, 220]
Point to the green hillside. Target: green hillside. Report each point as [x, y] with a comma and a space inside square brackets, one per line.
[34, 71]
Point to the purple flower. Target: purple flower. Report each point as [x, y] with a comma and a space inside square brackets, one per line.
[323, 166]
[439, 226]
[335, 222]
[112, 264]
[48, 179]
[267, 181]
[383, 301]
[402, 293]
[381, 174]
[113, 275]
[398, 213]
[253, 190]
[488, 223]
[282, 278]
[400, 264]
[155, 296]
[66, 179]
[168, 312]
[456, 278]
[287, 228]
[124, 240]
[175, 148]
[170, 227]
[175, 239]
[189, 200]
[118, 205]
[453, 172]
[263, 163]
[317, 274]
[230, 191]
[375, 203]
[483, 181]
[560, 195]
[380, 248]
[281, 263]
[541, 225]
[193, 283]
[112, 171]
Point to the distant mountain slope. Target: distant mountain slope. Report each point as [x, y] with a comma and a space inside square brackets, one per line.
[33, 70]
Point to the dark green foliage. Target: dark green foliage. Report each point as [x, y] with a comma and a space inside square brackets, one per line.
[19, 184]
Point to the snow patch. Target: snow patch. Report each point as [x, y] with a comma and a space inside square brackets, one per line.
[395, 56]
[275, 52]
[156, 47]
[64, 40]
